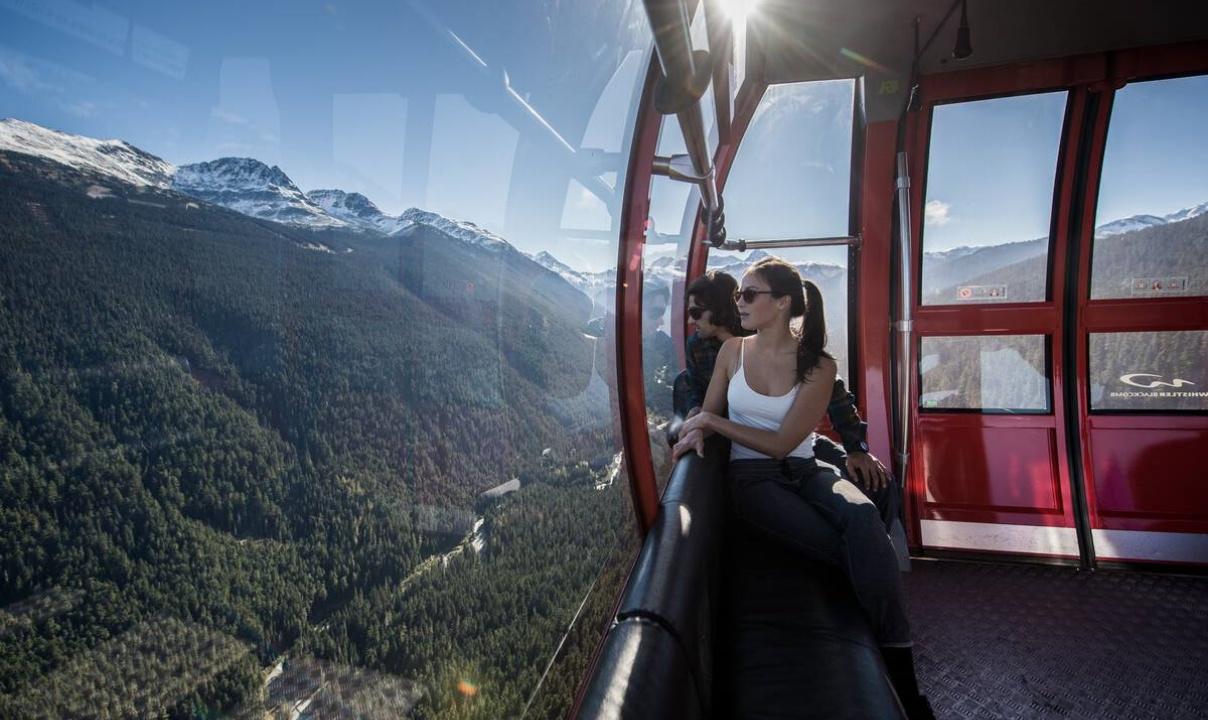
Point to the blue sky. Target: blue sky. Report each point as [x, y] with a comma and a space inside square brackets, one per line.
[992, 162]
[517, 117]
[512, 117]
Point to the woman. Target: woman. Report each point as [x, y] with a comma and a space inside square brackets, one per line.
[713, 312]
[775, 387]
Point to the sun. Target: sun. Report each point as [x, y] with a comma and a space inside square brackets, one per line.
[738, 10]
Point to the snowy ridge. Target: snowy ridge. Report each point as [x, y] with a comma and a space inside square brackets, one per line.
[250, 187]
[1129, 224]
[1140, 222]
[467, 232]
[113, 158]
[553, 264]
[356, 210]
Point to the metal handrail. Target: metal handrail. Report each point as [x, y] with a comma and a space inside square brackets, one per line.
[840, 240]
[903, 326]
[686, 76]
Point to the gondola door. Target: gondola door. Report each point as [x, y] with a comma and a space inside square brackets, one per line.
[1142, 313]
[1060, 217]
[992, 183]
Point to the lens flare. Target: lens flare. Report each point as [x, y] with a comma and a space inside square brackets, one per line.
[738, 9]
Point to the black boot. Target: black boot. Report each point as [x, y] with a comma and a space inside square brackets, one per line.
[899, 661]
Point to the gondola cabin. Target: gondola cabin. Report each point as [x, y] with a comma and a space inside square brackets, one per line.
[344, 349]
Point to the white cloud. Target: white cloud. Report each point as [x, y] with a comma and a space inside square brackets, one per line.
[937, 212]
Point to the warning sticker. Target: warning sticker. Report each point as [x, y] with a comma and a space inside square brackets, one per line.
[1158, 285]
[981, 292]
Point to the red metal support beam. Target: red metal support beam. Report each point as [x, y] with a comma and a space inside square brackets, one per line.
[631, 396]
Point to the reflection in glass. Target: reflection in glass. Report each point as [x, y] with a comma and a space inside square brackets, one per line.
[1149, 371]
[990, 176]
[990, 373]
[1151, 227]
[791, 175]
[328, 425]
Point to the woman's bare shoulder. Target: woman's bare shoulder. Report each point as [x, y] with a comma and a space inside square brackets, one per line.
[727, 356]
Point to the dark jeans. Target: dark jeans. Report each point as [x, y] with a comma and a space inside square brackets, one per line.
[807, 507]
[888, 499]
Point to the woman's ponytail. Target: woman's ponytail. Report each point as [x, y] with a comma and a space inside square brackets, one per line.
[811, 346]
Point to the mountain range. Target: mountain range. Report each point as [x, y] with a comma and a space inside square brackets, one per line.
[253, 188]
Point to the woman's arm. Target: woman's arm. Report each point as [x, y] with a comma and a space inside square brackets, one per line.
[692, 435]
[803, 416]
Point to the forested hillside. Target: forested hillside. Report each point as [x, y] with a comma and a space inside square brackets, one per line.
[222, 433]
[1002, 372]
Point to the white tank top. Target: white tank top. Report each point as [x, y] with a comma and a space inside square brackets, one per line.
[766, 412]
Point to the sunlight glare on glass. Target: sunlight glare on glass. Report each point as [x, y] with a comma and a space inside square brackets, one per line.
[738, 9]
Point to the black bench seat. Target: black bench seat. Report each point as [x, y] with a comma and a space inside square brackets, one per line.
[716, 621]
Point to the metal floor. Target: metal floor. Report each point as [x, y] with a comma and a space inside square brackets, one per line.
[1035, 641]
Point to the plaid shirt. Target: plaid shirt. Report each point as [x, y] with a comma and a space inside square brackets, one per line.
[700, 357]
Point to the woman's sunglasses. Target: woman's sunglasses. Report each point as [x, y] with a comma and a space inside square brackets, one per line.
[748, 295]
[696, 313]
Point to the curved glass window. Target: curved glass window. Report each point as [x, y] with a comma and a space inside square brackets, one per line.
[986, 220]
[307, 356]
[792, 173]
[1151, 227]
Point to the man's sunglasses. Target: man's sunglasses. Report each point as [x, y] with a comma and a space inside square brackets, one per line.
[748, 295]
[696, 313]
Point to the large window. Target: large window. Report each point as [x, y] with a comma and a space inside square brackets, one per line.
[986, 219]
[307, 366]
[792, 174]
[1151, 227]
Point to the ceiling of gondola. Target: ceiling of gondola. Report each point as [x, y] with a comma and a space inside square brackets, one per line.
[800, 40]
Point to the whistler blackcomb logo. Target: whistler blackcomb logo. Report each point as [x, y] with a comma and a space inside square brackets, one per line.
[1153, 385]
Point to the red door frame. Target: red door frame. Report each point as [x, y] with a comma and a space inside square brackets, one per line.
[1133, 315]
[1024, 318]
[1080, 76]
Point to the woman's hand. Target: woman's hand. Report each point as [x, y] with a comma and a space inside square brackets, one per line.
[702, 421]
[868, 470]
[690, 440]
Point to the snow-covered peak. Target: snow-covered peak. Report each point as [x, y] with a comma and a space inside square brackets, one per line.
[250, 187]
[113, 158]
[1187, 213]
[955, 253]
[1128, 224]
[549, 262]
[233, 173]
[1140, 222]
[467, 232]
[354, 209]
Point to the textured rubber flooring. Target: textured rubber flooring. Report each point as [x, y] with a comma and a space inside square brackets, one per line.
[1032, 641]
